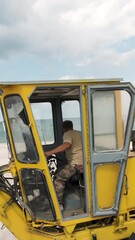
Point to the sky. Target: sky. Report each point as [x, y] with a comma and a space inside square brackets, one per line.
[67, 39]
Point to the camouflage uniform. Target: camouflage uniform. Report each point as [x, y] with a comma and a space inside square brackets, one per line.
[61, 178]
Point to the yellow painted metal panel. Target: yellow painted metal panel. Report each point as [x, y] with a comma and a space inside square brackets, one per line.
[106, 181]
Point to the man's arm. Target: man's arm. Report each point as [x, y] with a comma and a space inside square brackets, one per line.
[61, 148]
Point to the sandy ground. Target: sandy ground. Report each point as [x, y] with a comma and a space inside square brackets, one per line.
[4, 232]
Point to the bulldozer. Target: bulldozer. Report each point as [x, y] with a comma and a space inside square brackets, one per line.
[99, 199]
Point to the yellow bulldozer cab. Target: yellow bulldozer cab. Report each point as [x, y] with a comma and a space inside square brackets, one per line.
[99, 199]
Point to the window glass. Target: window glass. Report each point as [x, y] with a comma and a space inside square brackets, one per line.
[37, 194]
[21, 133]
[110, 114]
[42, 112]
[71, 111]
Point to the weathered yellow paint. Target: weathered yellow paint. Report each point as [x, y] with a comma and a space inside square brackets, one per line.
[87, 226]
[106, 180]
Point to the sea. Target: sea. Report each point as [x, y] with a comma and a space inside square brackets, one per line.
[45, 129]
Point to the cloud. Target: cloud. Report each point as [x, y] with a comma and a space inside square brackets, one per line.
[66, 77]
[84, 31]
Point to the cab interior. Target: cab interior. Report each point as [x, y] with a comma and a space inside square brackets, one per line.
[54, 105]
[57, 104]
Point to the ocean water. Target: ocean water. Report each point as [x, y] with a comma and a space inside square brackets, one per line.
[45, 129]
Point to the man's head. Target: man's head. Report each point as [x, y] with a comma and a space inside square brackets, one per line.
[67, 125]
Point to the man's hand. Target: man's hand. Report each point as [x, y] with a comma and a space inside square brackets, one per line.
[61, 148]
[48, 153]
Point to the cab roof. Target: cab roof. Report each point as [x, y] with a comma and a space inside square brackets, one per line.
[60, 81]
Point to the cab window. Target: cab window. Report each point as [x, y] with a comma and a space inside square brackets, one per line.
[42, 112]
[21, 133]
[110, 115]
[71, 111]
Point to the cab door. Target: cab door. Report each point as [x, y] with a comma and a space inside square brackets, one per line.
[30, 180]
[111, 110]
